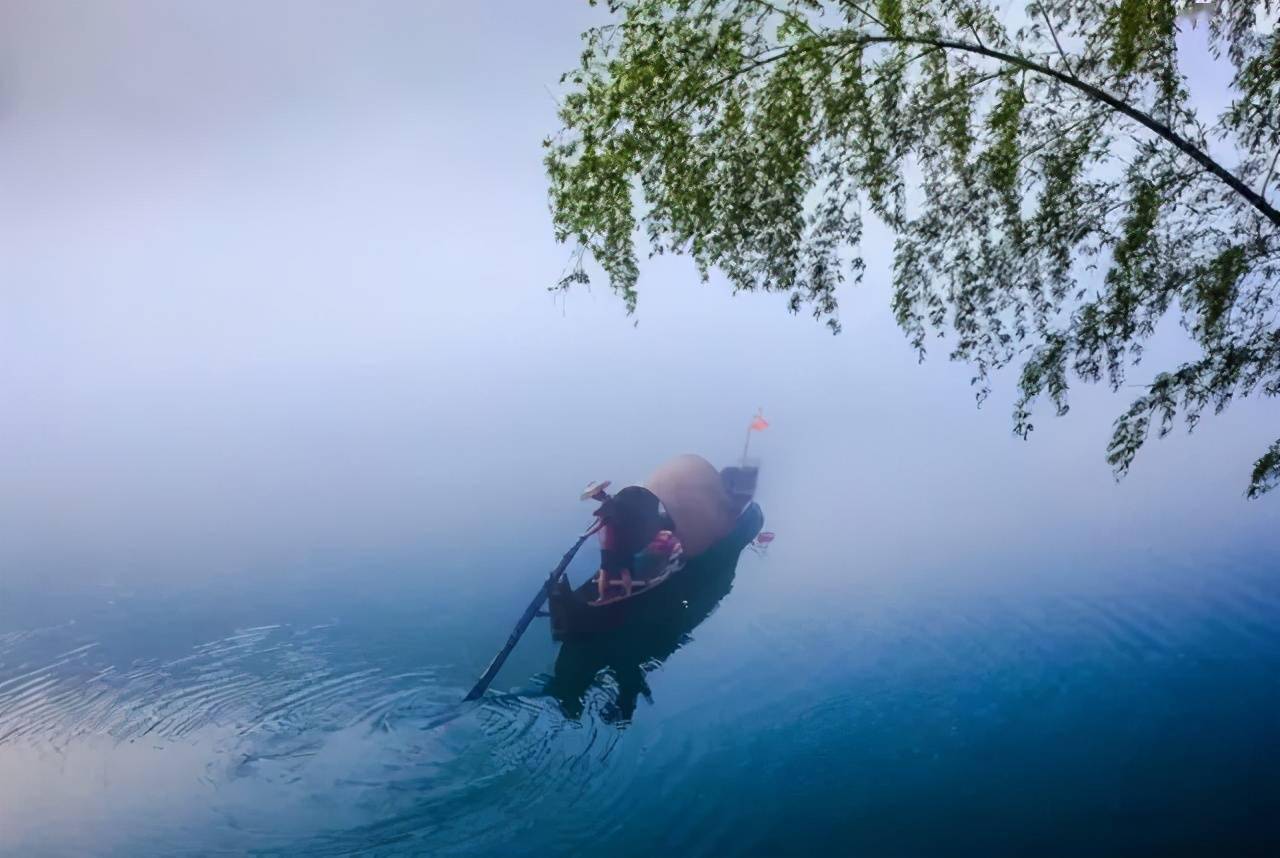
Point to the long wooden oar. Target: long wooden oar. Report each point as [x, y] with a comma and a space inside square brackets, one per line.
[527, 617]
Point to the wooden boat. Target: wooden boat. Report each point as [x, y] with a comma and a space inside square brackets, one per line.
[576, 614]
[609, 672]
[676, 530]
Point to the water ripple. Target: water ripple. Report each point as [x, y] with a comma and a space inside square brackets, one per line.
[300, 739]
[269, 678]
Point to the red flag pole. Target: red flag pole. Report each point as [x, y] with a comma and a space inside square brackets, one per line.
[751, 427]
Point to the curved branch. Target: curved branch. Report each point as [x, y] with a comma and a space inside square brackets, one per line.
[1146, 120]
[1160, 129]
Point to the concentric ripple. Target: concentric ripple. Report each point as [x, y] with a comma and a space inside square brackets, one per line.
[894, 723]
[271, 678]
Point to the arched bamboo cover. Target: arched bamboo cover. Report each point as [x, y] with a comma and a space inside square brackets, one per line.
[690, 488]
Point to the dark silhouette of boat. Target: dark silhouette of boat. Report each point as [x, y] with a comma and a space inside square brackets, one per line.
[657, 542]
[626, 639]
[576, 614]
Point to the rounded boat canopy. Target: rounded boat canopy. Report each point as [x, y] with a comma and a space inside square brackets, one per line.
[691, 490]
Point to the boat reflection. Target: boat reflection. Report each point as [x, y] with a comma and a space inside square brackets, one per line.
[615, 665]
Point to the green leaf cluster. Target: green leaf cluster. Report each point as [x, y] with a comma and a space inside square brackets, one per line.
[1053, 192]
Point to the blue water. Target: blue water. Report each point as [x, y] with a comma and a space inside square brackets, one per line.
[1048, 709]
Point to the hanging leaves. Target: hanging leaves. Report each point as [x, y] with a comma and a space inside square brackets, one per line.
[1051, 186]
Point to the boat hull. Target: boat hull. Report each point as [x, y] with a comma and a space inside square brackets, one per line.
[573, 617]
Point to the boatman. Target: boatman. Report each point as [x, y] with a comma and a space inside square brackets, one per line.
[629, 521]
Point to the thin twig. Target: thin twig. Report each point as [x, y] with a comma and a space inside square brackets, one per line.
[1262, 191]
[1056, 43]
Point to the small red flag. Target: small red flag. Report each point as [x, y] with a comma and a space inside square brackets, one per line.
[759, 423]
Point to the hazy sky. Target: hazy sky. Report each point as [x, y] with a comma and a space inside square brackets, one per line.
[273, 282]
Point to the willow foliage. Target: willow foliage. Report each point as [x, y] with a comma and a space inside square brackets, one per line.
[1053, 192]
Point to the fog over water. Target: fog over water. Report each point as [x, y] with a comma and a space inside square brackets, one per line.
[274, 279]
[274, 314]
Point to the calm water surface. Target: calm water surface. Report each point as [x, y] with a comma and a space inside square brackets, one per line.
[818, 709]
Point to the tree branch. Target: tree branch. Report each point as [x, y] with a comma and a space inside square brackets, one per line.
[1144, 119]
[1052, 32]
[1262, 191]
